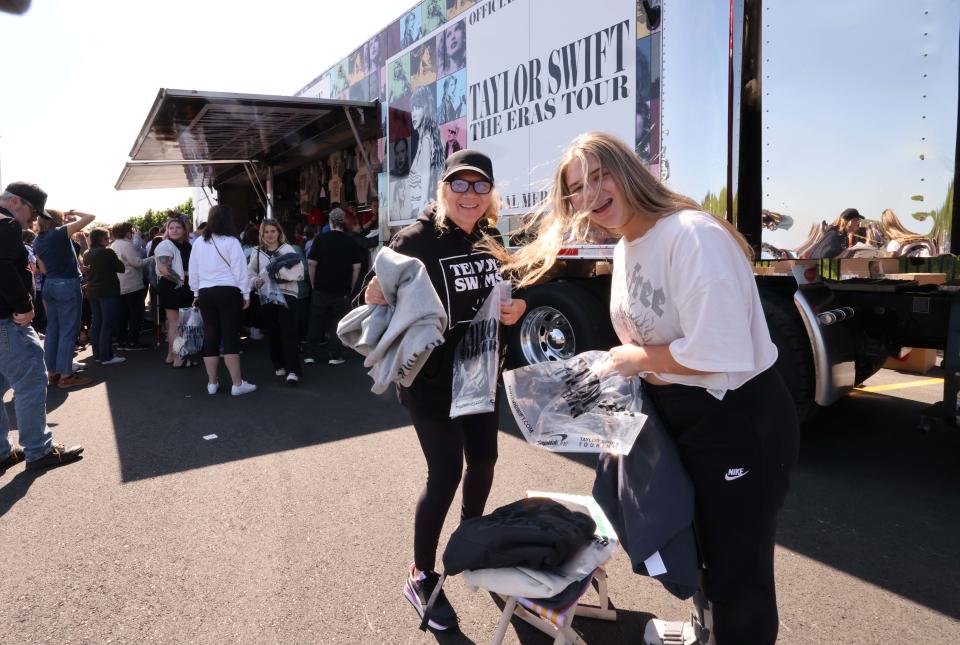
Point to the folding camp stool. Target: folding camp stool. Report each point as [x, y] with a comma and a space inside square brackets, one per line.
[553, 622]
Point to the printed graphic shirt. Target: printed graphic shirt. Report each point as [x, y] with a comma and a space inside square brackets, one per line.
[687, 284]
[463, 278]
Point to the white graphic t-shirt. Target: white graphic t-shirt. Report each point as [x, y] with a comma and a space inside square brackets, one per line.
[687, 284]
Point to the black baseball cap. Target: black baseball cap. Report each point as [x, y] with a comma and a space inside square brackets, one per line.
[468, 159]
[33, 195]
[850, 213]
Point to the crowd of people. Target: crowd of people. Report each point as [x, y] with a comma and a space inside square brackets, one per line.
[66, 285]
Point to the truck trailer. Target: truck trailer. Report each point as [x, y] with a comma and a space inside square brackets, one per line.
[779, 117]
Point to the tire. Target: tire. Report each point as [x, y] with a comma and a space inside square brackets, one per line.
[562, 319]
[794, 356]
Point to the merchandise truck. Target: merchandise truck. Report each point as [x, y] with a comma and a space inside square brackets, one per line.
[826, 133]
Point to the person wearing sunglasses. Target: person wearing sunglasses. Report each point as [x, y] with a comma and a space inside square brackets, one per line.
[444, 238]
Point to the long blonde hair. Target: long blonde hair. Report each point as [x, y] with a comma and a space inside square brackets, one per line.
[441, 219]
[556, 222]
[893, 229]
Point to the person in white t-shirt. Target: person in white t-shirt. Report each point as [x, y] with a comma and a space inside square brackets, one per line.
[685, 307]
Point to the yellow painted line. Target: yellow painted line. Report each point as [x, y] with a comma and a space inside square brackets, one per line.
[901, 386]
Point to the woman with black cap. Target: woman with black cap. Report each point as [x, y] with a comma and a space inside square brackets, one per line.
[444, 238]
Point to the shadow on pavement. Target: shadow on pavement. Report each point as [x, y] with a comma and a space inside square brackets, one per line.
[160, 414]
[15, 489]
[876, 498]
[627, 629]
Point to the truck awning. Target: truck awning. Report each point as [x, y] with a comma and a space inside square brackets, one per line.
[199, 139]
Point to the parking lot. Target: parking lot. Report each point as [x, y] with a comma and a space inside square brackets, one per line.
[294, 525]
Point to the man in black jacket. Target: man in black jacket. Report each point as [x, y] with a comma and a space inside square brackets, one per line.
[21, 355]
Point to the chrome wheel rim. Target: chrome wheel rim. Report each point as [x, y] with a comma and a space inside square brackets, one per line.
[546, 335]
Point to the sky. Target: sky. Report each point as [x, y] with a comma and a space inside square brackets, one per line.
[80, 77]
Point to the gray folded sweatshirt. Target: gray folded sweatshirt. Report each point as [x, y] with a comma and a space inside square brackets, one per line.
[396, 338]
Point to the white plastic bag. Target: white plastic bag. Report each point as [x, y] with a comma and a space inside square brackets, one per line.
[477, 359]
[576, 405]
[189, 338]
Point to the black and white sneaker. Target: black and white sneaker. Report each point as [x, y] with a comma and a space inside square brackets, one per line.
[418, 589]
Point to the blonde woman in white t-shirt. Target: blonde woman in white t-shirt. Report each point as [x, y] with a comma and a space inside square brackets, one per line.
[685, 307]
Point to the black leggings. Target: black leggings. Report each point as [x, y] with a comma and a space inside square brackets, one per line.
[282, 327]
[445, 443]
[222, 310]
[739, 453]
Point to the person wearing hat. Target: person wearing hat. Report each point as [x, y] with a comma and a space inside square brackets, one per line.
[840, 236]
[21, 355]
[444, 237]
[334, 267]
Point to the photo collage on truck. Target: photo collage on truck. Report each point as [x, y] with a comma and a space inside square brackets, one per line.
[534, 79]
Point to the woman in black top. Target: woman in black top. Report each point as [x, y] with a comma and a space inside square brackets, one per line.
[443, 238]
[103, 290]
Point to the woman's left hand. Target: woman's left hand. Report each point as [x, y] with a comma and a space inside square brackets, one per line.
[511, 312]
[628, 360]
[246, 303]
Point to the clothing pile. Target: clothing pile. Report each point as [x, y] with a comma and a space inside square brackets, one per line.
[537, 549]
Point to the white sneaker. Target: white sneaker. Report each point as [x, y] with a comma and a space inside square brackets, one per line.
[79, 367]
[309, 360]
[280, 372]
[213, 388]
[243, 388]
[336, 361]
[292, 379]
[116, 360]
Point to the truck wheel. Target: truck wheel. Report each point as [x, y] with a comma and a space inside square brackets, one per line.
[562, 319]
[794, 356]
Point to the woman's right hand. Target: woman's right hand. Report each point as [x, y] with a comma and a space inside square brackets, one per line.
[373, 294]
[258, 283]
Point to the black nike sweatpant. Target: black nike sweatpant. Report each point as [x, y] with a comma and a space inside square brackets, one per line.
[739, 453]
[446, 443]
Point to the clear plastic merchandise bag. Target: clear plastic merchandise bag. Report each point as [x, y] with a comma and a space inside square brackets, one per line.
[269, 292]
[576, 405]
[477, 359]
[189, 338]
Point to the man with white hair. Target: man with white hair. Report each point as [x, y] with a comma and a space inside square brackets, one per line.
[21, 355]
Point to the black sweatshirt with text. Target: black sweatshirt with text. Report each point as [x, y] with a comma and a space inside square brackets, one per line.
[463, 278]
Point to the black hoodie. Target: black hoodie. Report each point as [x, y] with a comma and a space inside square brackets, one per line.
[463, 278]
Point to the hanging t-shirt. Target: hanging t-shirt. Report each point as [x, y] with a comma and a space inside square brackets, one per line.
[686, 284]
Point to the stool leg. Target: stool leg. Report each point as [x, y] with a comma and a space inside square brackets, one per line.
[508, 609]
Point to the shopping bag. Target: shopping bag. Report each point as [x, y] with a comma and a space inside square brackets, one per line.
[476, 359]
[269, 292]
[189, 338]
[576, 405]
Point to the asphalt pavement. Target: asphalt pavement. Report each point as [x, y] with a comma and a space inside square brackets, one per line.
[294, 524]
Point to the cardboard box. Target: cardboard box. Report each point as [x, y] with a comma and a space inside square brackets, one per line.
[921, 278]
[785, 267]
[915, 361]
[860, 267]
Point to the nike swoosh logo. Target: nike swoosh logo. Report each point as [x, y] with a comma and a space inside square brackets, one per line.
[730, 477]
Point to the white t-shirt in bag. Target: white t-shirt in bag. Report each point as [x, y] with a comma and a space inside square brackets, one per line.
[687, 284]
